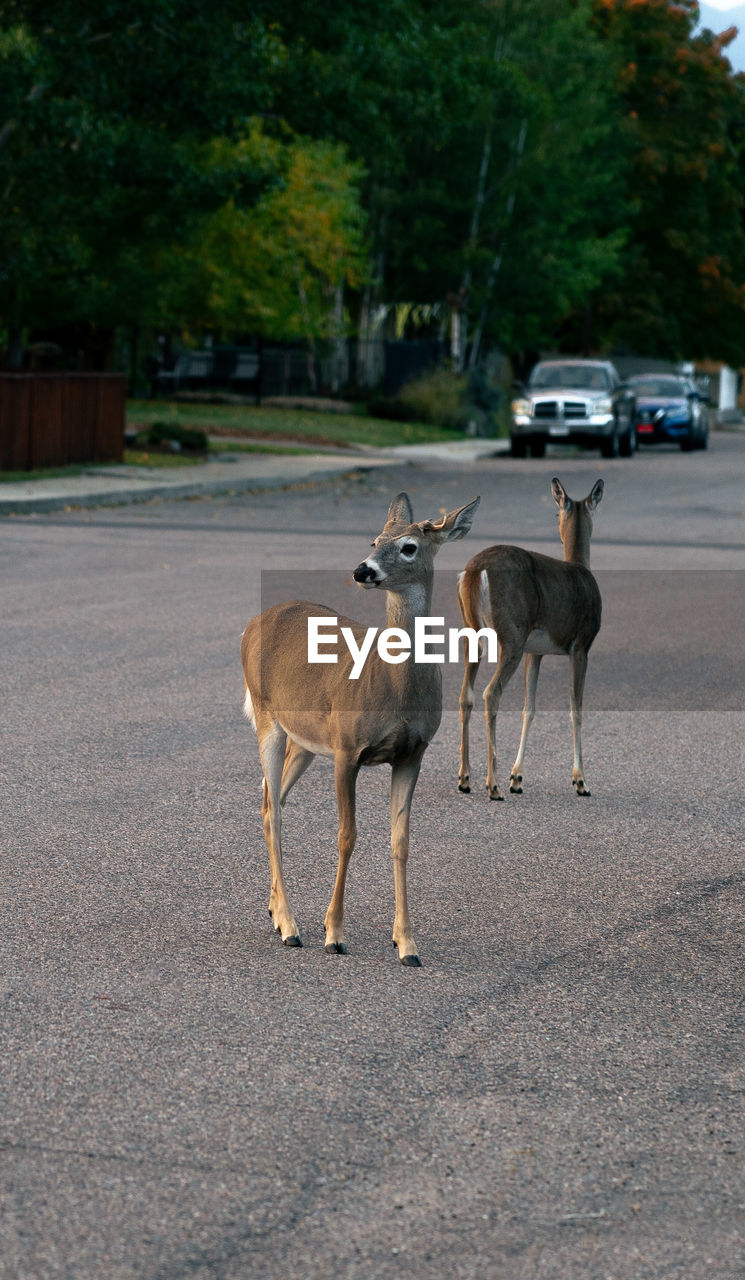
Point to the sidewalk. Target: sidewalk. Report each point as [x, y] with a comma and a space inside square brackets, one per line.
[100, 486]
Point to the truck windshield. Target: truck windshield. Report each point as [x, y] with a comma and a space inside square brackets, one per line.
[573, 377]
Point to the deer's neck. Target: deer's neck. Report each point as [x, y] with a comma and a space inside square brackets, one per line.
[417, 686]
[403, 607]
[575, 537]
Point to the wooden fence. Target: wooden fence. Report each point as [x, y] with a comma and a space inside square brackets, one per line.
[48, 419]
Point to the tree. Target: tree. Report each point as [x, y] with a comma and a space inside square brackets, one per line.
[102, 148]
[681, 292]
[486, 136]
[272, 265]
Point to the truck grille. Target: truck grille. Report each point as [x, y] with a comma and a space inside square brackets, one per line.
[560, 409]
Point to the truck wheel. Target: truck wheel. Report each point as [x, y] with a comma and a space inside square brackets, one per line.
[627, 443]
[518, 447]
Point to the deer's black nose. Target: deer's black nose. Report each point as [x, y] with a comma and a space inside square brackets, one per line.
[365, 573]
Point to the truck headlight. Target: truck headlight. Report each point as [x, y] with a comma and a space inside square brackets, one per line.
[521, 408]
[602, 406]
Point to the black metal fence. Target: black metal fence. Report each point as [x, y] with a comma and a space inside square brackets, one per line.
[269, 371]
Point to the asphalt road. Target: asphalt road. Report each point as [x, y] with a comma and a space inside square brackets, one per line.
[558, 1092]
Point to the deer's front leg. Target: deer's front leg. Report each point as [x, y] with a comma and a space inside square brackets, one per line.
[532, 667]
[345, 776]
[403, 781]
[577, 671]
[272, 742]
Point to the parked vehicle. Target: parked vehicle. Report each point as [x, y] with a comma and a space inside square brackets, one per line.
[580, 402]
[670, 409]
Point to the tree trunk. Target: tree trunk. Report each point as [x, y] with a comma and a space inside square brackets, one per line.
[473, 236]
[311, 365]
[497, 259]
[340, 363]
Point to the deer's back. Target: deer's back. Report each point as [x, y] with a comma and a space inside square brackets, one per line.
[518, 592]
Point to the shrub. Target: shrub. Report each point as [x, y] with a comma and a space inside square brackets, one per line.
[191, 439]
[437, 397]
[473, 403]
[391, 408]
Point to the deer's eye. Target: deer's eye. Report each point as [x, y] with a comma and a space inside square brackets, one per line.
[409, 550]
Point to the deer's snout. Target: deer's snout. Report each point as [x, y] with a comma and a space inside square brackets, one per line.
[368, 574]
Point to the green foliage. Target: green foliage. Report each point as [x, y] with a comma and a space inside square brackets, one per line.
[562, 173]
[681, 289]
[271, 267]
[118, 170]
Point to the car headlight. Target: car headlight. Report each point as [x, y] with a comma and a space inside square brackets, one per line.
[521, 408]
[602, 406]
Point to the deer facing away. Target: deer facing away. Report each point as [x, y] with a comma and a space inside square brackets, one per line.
[537, 605]
[388, 715]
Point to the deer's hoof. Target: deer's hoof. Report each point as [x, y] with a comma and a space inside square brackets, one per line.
[292, 940]
[495, 793]
[411, 962]
[336, 948]
[580, 788]
[465, 788]
[516, 784]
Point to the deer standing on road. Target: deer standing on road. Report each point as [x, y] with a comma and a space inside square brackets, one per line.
[387, 715]
[537, 605]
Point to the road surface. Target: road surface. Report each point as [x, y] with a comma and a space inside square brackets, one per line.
[558, 1092]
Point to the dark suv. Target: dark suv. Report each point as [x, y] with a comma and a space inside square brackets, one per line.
[579, 402]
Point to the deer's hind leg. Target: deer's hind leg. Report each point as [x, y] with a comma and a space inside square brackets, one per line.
[509, 660]
[470, 591]
[272, 743]
[297, 760]
[466, 707]
[577, 672]
[532, 668]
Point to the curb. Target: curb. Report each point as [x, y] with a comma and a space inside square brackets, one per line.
[196, 489]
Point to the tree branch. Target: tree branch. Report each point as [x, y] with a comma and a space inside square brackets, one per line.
[10, 126]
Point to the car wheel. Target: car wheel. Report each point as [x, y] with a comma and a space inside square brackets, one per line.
[538, 449]
[517, 447]
[686, 443]
[609, 448]
[703, 440]
[627, 443]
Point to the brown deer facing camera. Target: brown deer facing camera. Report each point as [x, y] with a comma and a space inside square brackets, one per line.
[387, 714]
[537, 605]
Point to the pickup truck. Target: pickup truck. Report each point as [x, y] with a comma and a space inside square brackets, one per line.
[580, 402]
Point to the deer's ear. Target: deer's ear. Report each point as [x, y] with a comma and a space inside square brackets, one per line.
[595, 496]
[559, 492]
[454, 525]
[400, 510]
